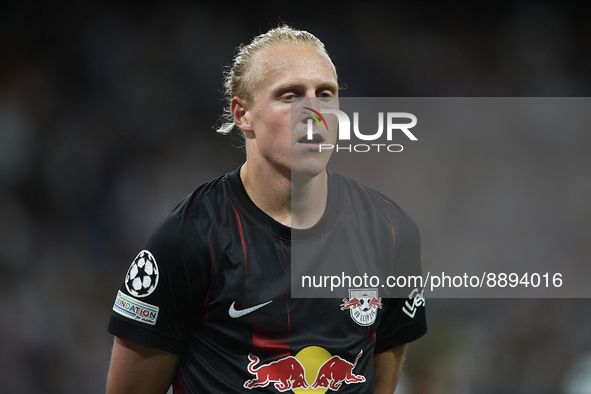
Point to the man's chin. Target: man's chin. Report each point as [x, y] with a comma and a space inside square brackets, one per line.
[309, 166]
[306, 173]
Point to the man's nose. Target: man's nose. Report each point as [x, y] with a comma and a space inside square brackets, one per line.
[311, 101]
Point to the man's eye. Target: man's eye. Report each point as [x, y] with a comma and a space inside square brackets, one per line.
[289, 97]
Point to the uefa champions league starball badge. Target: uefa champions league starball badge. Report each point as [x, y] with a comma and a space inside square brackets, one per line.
[142, 277]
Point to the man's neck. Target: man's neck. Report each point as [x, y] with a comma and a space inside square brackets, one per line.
[297, 203]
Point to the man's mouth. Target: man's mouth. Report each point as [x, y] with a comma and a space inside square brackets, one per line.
[317, 139]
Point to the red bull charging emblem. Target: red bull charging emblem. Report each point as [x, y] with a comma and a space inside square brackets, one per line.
[286, 373]
[363, 305]
[312, 370]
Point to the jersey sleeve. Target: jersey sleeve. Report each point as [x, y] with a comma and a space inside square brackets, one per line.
[404, 319]
[162, 294]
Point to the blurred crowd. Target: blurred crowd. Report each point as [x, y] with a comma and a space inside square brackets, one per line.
[107, 117]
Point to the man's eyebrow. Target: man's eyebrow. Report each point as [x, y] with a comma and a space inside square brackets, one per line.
[325, 85]
[330, 85]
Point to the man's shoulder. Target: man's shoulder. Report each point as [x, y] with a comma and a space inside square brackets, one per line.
[369, 200]
[184, 224]
[203, 204]
[355, 189]
[211, 194]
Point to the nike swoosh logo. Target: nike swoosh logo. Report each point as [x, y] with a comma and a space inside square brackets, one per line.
[236, 314]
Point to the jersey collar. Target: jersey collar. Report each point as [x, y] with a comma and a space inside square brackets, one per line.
[280, 230]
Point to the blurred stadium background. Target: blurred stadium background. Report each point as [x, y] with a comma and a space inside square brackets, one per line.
[106, 122]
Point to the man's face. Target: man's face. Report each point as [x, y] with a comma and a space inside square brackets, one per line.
[286, 73]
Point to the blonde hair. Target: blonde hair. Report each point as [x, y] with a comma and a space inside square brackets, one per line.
[238, 81]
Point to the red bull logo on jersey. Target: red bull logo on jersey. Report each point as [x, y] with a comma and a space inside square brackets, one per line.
[286, 373]
[336, 371]
[363, 305]
[312, 370]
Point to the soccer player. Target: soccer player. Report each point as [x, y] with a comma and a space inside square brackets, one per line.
[206, 305]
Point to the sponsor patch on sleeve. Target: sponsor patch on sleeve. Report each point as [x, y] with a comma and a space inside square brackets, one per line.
[135, 310]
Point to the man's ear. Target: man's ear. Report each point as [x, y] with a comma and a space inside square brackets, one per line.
[239, 109]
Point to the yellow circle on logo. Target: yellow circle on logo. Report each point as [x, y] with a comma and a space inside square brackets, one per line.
[312, 358]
